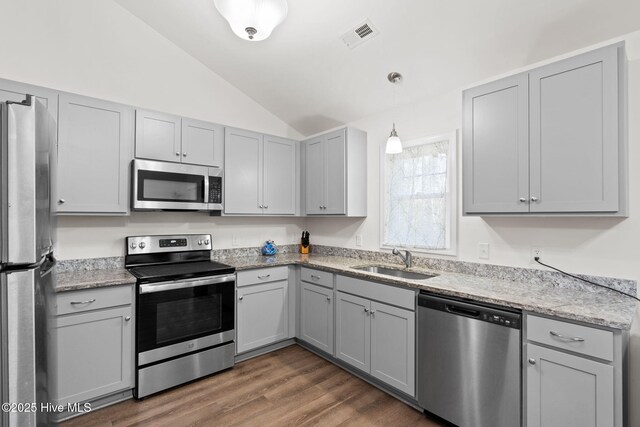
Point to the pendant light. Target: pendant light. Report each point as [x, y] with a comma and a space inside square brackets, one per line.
[394, 144]
[253, 19]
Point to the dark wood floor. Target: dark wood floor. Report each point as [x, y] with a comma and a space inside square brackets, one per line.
[289, 387]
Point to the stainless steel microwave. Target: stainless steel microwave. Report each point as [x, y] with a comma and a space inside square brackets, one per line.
[175, 186]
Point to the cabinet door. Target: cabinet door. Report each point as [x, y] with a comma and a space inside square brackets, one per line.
[496, 147]
[567, 391]
[279, 176]
[315, 175]
[202, 143]
[263, 315]
[243, 172]
[15, 91]
[316, 316]
[335, 173]
[158, 136]
[93, 354]
[574, 134]
[95, 147]
[353, 331]
[393, 346]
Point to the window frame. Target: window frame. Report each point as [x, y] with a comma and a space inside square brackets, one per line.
[452, 165]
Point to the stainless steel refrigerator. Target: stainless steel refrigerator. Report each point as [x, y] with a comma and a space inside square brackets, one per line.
[28, 134]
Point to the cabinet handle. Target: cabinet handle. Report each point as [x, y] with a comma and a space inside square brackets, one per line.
[366, 310]
[373, 312]
[184, 154]
[522, 200]
[177, 153]
[61, 201]
[266, 207]
[534, 199]
[532, 361]
[266, 276]
[314, 277]
[126, 319]
[260, 206]
[241, 297]
[89, 301]
[562, 337]
[328, 298]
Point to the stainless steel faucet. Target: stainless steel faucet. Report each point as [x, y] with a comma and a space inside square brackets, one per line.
[407, 258]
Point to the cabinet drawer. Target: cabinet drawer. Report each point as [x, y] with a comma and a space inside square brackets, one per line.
[91, 299]
[262, 275]
[317, 277]
[569, 336]
[404, 298]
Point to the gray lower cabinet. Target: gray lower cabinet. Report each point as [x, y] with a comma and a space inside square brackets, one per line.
[378, 339]
[263, 315]
[95, 147]
[91, 349]
[316, 316]
[261, 174]
[336, 173]
[564, 390]
[549, 141]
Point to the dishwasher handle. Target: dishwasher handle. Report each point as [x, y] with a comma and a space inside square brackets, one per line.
[462, 311]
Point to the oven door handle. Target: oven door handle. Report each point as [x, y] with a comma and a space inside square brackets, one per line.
[183, 284]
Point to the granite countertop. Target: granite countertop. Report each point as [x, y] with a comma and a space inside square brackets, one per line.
[582, 303]
[590, 305]
[88, 279]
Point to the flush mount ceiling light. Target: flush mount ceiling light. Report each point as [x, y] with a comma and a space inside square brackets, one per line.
[394, 144]
[253, 19]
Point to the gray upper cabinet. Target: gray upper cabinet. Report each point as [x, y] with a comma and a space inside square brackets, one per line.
[158, 136]
[574, 134]
[95, 146]
[261, 174]
[496, 132]
[161, 136]
[549, 141]
[336, 173]
[202, 143]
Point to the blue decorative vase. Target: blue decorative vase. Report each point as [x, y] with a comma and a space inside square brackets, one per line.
[269, 248]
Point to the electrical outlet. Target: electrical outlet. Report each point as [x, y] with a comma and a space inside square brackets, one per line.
[536, 252]
[483, 250]
[359, 240]
[235, 241]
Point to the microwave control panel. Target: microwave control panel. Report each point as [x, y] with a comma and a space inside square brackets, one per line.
[215, 189]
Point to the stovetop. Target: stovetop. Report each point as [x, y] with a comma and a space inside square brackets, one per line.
[179, 270]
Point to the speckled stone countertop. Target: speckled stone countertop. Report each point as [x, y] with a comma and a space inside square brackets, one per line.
[591, 305]
[88, 279]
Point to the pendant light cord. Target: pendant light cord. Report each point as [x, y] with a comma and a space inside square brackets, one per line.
[537, 259]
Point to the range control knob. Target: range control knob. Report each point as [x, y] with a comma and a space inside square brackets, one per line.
[133, 245]
[206, 242]
[142, 245]
[200, 242]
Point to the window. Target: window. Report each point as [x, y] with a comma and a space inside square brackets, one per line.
[419, 197]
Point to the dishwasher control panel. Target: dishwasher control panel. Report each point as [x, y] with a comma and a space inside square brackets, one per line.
[513, 322]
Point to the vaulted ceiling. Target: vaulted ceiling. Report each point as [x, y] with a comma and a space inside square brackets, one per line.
[305, 75]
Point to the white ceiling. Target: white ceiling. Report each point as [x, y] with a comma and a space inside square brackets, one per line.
[305, 75]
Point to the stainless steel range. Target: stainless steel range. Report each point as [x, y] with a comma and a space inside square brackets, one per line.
[185, 310]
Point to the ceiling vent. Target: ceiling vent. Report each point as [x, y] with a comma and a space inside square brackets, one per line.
[359, 34]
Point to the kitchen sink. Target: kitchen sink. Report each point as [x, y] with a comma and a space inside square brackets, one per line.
[404, 274]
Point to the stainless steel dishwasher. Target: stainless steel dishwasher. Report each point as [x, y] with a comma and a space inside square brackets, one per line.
[469, 362]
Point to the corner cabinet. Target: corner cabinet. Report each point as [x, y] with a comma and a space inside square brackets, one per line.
[549, 141]
[165, 137]
[336, 173]
[573, 374]
[91, 344]
[95, 146]
[261, 174]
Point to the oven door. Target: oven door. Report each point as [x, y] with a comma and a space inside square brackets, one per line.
[178, 317]
[169, 186]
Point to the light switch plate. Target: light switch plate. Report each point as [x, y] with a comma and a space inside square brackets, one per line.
[235, 241]
[483, 250]
[358, 240]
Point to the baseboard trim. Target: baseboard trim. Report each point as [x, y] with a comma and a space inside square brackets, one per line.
[264, 350]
